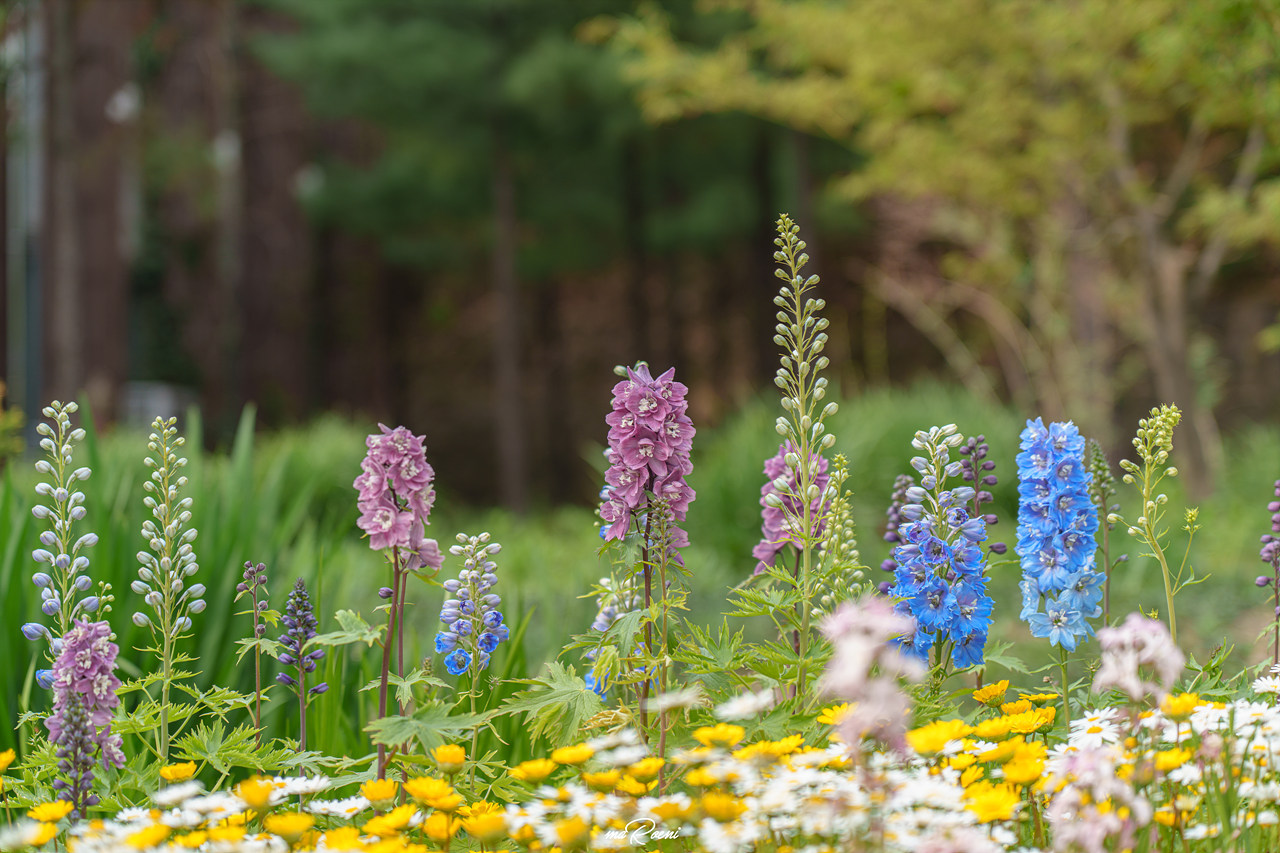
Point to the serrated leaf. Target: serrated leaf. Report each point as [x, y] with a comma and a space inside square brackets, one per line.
[269, 646]
[558, 704]
[353, 630]
[430, 725]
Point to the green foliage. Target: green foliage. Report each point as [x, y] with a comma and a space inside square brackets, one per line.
[557, 705]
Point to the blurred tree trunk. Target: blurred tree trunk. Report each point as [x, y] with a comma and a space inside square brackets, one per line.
[229, 197]
[508, 408]
[62, 253]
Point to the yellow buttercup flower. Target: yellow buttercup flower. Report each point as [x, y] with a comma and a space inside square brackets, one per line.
[603, 782]
[534, 771]
[6, 758]
[722, 807]
[721, 734]
[288, 825]
[570, 832]
[380, 792]
[992, 693]
[970, 776]
[572, 756]
[1040, 699]
[178, 772]
[1168, 759]
[1023, 770]
[633, 787]
[486, 827]
[646, 769]
[671, 811]
[436, 793]
[51, 812]
[997, 728]
[932, 738]
[440, 827]
[191, 840]
[343, 838]
[1032, 721]
[990, 802]
[256, 792]
[1000, 753]
[226, 832]
[44, 835]
[963, 760]
[450, 758]
[148, 836]
[480, 807]
[833, 714]
[391, 823]
[1178, 708]
[700, 777]
[1019, 707]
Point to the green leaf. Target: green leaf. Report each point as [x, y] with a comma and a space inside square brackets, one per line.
[354, 630]
[557, 704]
[430, 725]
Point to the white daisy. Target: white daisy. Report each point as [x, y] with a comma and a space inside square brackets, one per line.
[745, 706]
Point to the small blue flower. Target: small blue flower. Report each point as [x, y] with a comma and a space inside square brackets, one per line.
[1061, 624]
[44, 677]
[446, 642]
[458, 661]
[487, 642]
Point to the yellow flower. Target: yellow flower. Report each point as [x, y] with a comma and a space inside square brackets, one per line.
[1168, 759]
[1018, 707]
[700, 777]
[51, 812]
[1040, 699]
[722, 807]
[288, 825]
[379, 792]
[1165, 816]
[486, 827]
[721, 734]
[1023, 770]
[634, 787]
[390, 823]
[1178, 708]
[832, 715]
[1032, 721]
[604, 782]
[480, 807]
[990, 802]
[343, 838]
[968, 777]
[440, 827]
[436, 793]
[570, 832]
[178, 772]
[933, 737]
[256, 792]
[646, 769]
[191, 840]
[996, 728]
[44, 835]
[227, 832]
[450, 758]
[1000, 753]
[6, 758]
[963, 760]
[148, 836]
[671, 811]
[992, 693]
[533, 771]
[572, 756]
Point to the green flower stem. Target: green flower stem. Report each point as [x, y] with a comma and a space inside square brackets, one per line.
[1066, 698]
[387, 643]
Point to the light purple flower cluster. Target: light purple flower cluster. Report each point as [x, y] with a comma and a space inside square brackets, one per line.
[1136, 648]
[784, 513]
[84, 699]
[396, 497]
[650, 436]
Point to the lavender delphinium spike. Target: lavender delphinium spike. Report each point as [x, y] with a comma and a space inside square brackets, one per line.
[977, 469]
[84, 699]
[893, 523]
[65, 579]
[473, 625]
[1270, 554]
[782, 506]
[300, 626]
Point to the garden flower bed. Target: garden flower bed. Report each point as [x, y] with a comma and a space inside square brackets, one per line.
[858, 720]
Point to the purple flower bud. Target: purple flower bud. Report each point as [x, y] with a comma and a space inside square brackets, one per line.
[90, 603]
[385, 592]
[41, 579]
[318, 689]
[286, 680]
[34, 631]
[50, 607]
[1262, 580]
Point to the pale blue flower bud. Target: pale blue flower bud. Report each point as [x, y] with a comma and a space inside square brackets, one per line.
[86, 541]
[82, 583]
[197, 606]
[41, 580]
[34, 631]
[89, 604]
[142, 620]
[40, 555]
[41, 511]
[50, 607]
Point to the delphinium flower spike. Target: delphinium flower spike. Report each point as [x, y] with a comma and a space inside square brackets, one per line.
[782, 506]
[473, 625]
[395, 499]
[61, 505]
[171, 560]
[1270, 554]
[940, 575]
[1102, 488]
[893, 523]
[84, 699]
[977, 469]
[300, 626]
[252, 584]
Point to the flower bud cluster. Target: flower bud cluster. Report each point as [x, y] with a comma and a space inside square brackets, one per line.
[1270, 552]
[84, 700]
[255, 577]
[396, 496]
[893, 522]
[61, 504]
[616, 599]
[940, 577]
[1057, 523]
[650, 436]
[785, 513]
[171, 559]
[473, 625]
[977, 469]
[300, 626]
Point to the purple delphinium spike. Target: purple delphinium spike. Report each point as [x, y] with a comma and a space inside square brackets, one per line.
[61, 505]
[650, 436]
[893, 522]
[781, 505]
[977, 469]
[1270, 554]
[473, 625]
[300, 626]
[84, 699]
[254, 579]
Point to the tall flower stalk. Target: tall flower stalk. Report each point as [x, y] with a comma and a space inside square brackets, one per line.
[804, 494]
[300, 626]
[84, 700]
[395, 499]
[1154, 444]
[1270, 554]
[169, 562]
[252, 584]
[65, 579]
[1102, 488]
